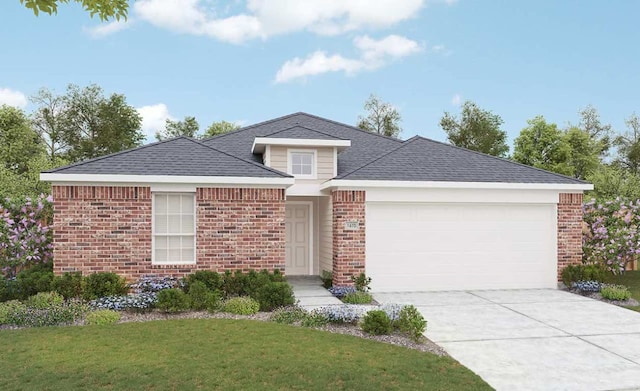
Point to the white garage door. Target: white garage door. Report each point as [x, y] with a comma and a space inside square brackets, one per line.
[420, 246]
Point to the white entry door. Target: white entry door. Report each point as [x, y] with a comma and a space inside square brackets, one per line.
[297, 239]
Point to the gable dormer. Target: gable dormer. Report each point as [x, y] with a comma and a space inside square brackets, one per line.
[310, 156]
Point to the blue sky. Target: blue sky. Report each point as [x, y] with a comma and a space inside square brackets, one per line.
[256, 60]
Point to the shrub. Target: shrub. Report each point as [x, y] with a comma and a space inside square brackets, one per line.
[357, 298]
[361, 282]
[411, 322]
[587, 286]
[8, 308]
[341, 291]
[615, 292]
[211, 280]
[66, 313]
[241, 306]
[8, 290]
[25, 237]
[351, 313]
[36, 279]
[273, 295]
[44, 300]
[288, 315]
[201, 298]
[137, 302]
[102, 317]
[376, 322]
[155, 284]
[583, 272]
[314, 319]
[172, 300]
[104, 284]
[611, 237]
[327, 279]
[69, 285]
[241, 284]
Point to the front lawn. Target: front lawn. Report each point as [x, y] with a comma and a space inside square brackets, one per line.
[216, 354]
[632, 280]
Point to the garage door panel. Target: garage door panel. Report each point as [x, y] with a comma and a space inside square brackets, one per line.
[460, 246]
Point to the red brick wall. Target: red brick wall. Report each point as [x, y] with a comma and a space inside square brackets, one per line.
[109, 229]
[348, 246]
[569, 230]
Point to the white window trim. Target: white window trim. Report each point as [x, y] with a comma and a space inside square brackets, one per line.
[153, 229]
[314, 163]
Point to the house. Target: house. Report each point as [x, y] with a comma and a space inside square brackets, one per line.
[305, 194]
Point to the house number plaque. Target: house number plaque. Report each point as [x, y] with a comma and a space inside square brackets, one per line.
[351, 225]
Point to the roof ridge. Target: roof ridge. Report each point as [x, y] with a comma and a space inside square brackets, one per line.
[285, 175]
[252, 126]
[307, 128]
[404, 144]
[352, 127]
[95, 159]
[500, 159]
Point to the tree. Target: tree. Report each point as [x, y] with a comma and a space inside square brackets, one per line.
[220, 127]
[584, 155]
[105, 9]
[94, 125]
[381, 118]
[18, 142]
[187, 127]
[599, 132]
[544, 146]
[476, 129]
[610, 181]
[47, 120]
[628, 145]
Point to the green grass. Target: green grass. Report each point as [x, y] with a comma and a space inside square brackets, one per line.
[630, 279]
[216, 354]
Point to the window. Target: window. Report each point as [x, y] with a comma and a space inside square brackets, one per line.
[302, 164]
[173, 228]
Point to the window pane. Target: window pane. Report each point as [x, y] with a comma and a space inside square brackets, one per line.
[175, 224]
[187, 224]
[188, 255]
[187, 204]
[295, 158]
[306, 170]
[187, 242]
[161, 224]
[161, 242]
[174, 242]
[174, 255]
[307, 158]
[174, 203]
[161, 203]
[161, 256]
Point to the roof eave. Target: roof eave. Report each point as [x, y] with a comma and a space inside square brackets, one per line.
[259, 143]
[85, 179]
[364, 184]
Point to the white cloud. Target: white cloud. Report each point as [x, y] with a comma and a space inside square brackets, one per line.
[153, 119]
[13, 98]
[266, 18]
[373, 54]
[102, 30]
[456, 100]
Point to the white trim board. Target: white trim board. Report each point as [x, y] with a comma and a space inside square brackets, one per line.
[365, 184]
[259, 143]
[127, 180]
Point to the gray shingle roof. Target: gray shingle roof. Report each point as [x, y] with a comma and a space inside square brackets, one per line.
[179, 156]
[365, 146]
[303, 133]
[421, 159]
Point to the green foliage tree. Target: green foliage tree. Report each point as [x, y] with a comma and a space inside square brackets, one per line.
[48, 121]
[611, 181]
[628, 145]
[95, 125]
[544, 146]
[381, 118]
[476, 129]
[220, 127]
[188, 127]
[599, 132]
[584, 152]
[105, 9]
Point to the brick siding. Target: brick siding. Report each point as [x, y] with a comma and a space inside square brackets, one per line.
[348, 246]
[569, 230]
[104, 228]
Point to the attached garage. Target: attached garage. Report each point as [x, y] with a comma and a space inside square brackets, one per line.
[413, 246]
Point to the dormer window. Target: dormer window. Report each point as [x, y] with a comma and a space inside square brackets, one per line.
[302, 164]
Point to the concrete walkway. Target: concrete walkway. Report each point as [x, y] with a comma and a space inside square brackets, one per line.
[533, 339]
[310, 293]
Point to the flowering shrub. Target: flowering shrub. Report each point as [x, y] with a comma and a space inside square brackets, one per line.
[133, 302]
[352, 313]
[611, 235]
[25, 236]
[155, 284]
[56, 314]
[341, 291]
[587, 286]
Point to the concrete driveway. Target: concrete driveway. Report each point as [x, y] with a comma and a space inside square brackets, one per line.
[533, 339]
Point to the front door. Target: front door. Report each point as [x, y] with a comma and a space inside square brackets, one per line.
[297, 239]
